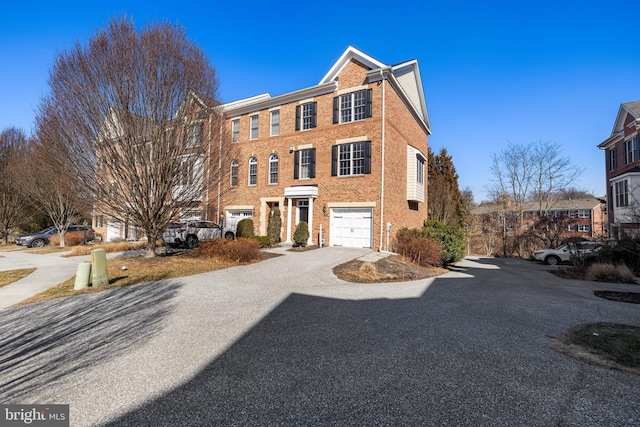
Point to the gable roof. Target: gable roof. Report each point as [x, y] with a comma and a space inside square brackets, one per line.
[626, 109]
[405, 77]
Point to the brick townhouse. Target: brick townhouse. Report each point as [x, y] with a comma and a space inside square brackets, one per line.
[585, 217]
[347, 155]
[622, 163]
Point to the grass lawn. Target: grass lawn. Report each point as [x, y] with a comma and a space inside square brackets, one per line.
[138, 270]
[7, 277]
[607, 344]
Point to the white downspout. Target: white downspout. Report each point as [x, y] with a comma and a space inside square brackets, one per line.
[221, 118]
[208, 175]
[382, 167]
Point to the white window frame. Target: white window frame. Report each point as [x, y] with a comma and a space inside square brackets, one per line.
[253, 172]
[632, 150]
[419, 170]
[274, 123]
[305, 164]
[233, 177]
[306, 115]
[194, 137]
[353, 106]
[584, 228]
[621, 193]
[348, 162]
[235, 130]
[273, 169]
[253, 128]
[584, 213]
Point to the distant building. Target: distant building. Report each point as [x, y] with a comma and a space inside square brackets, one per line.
[585, 217]
[622, 164]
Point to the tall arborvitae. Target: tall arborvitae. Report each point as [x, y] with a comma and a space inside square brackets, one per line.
[445, 203]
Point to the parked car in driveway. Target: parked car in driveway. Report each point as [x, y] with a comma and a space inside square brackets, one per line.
[41, 238]
[564, 253]
[190, 233]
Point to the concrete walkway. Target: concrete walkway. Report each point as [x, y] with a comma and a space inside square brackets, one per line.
[51, 269]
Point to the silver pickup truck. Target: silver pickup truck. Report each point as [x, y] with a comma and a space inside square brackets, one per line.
[189, 233]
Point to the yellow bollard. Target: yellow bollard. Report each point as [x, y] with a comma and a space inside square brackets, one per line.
[82, 275]
[99, 276]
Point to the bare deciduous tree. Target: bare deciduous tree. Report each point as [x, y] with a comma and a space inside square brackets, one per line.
[138, 111]
[48, 179]
[534, 171]
[14, 207]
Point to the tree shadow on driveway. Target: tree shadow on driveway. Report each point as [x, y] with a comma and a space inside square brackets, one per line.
[41, 343]
[472, 350]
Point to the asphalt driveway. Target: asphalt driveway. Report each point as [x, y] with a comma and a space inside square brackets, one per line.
[284, 342]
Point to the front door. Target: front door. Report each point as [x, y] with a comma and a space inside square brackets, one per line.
[303, 211]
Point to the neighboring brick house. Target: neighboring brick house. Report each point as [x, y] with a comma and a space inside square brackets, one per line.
[582, 217]
[622, 163]
[585, 217]
[346, 155]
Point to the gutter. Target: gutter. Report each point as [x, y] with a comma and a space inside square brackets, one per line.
[382, 227]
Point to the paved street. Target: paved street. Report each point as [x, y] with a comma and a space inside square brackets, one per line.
[284, 342]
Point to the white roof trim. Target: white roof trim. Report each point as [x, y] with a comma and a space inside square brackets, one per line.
[245, 101]
[257, 103]
[349, 54]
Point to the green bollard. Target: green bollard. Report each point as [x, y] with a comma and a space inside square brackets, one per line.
[99, 276]
[82, 275]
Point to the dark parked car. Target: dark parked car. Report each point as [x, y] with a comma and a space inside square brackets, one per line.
[41, 238]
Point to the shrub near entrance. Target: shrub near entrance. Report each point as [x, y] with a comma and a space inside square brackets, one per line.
[301, 235]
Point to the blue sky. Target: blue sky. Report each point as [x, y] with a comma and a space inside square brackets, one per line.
[493, 72]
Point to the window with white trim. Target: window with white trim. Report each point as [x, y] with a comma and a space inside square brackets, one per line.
[419, 170]
[253, 171]
[235, 130]
[621, 193]
[351, 107]
[352, 159]
[306, 115]
[187, 173]
[585, 228]
[194, 135]
[632, 150]
[304, 164]
[305, 161]
[273, 169]
[275, 122]
[254, 127]
[233, 180]
[584, 213]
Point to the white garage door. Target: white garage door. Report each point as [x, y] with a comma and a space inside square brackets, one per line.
[351, 227]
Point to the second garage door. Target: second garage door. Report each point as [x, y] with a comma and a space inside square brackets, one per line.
[351, 227]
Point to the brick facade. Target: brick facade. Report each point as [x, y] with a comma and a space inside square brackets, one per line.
[351, 200]
[402, 128]
[622, 165]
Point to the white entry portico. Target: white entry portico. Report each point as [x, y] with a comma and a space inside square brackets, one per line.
[304, 193]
